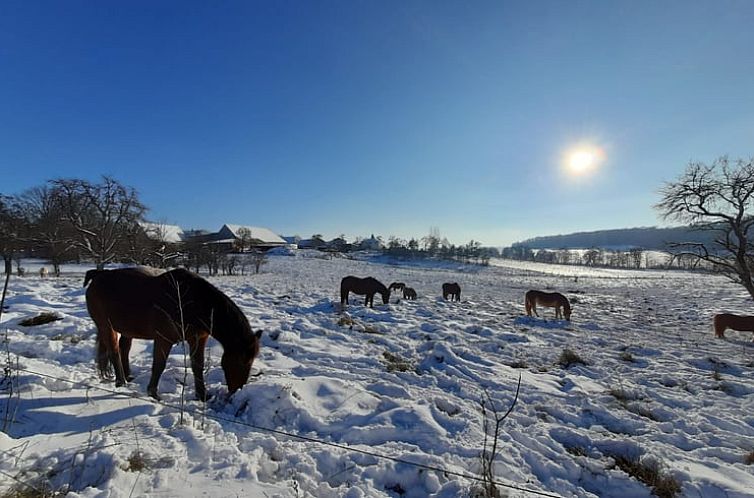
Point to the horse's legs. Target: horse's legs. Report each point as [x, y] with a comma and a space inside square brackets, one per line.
[343, 297]
[558, 313]
[125, 346]
[162, 349]
[366, 300]
[196, 350]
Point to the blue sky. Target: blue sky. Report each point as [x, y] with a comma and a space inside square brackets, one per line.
[363, 117]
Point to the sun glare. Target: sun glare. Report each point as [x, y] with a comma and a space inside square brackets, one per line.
[583, 159]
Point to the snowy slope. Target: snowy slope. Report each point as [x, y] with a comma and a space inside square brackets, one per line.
[402, 380]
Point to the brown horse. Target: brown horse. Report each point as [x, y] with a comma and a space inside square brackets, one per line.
[549, 299]
[168, 308]
[451, 290]
[364, 287]
[409, 293]
[734, 322]
[398, 286]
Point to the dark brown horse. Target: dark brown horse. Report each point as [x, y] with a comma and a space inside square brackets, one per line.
[168, 308]
[397, 286]
[451, 290]
[724, 321]
[363, 286]
[409, 293]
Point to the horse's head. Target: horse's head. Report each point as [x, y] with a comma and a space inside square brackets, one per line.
[567, 312]
[385, 297]
[237, 363]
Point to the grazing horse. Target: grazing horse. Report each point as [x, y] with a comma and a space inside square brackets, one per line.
[551, 300]
[734, 322]
[398, 286]
[409, 293]
[363, 286]
[167, 308]
[42, 272]
[453, 290]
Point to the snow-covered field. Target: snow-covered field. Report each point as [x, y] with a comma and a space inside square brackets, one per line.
[402, 380]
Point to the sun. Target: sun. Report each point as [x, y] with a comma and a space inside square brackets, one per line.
[582, 160]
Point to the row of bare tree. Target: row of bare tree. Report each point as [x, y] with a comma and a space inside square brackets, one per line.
[73, 219]
[69, 219]
[435, 246]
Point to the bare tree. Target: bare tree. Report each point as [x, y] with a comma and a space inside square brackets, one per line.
[258, 258]
[592, 257]
[43, 210]
[716, 198]
[102, 215]
[245, 240]
[636, 254]
[12, 228]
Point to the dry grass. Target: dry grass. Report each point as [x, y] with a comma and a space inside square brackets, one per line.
[643, 411]
[395, 363]
[568, 358]
[651, 474]
[41, 319]
[627, 357]
[138, 462]
[620, 394]
[518, 364]
[749, 458]
[576, 450]
[30, 490]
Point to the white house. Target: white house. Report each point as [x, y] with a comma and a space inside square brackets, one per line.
[262, 238]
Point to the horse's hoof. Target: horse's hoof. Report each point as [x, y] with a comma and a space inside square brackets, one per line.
[202, 397]
[153, 394]
[129, 378]
[120, 383]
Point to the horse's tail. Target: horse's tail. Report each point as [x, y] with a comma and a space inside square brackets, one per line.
[90, 275]
[527, 304]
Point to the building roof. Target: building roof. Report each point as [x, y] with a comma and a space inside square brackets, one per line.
[259, 233]
[162, 232]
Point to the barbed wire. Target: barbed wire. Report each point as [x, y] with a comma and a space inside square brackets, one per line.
[309, 439]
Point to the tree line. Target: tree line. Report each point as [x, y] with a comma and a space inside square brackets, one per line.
[437, 247]
[104, 222]
[633, 258]
[73, 219]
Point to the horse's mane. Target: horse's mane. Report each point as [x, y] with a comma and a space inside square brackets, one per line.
[212, 307]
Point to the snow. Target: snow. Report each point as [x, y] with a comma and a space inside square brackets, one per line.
[657, 385]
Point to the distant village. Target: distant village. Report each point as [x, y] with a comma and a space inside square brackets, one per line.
[232, 237]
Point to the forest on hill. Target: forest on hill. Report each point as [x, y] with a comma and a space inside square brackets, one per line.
[645, 237]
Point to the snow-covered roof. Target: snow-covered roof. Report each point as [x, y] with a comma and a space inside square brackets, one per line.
[259, 233]
[163, 232]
